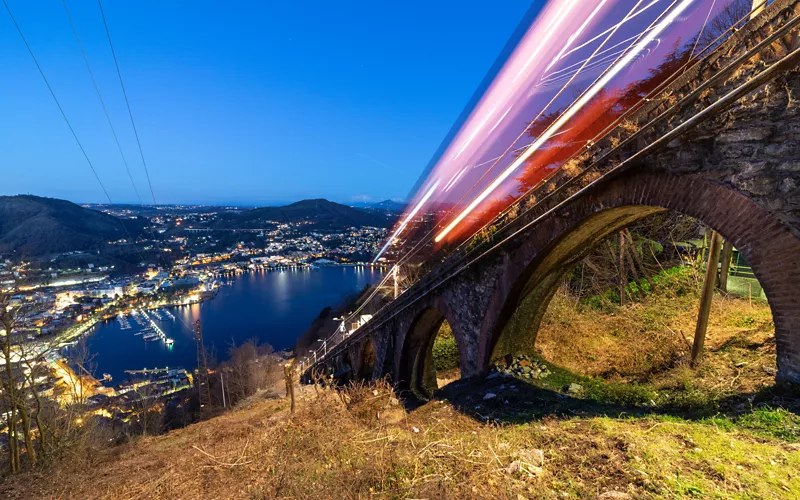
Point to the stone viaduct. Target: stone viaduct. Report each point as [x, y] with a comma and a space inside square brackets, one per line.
[724, 149]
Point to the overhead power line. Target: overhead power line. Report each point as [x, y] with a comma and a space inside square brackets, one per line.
[52, 93]
[127, 102]
[69, 125]
[100, 98]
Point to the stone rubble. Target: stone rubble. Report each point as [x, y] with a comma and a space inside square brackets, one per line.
[521, 367]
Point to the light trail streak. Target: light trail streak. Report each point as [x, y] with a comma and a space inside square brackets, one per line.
[571, 78]
[600, 53]
[475, 132]
[408, 219]
[558, 21]
[580, 103]
[454, 181]
[554, 80]
[521, 148]
[609, 30]
[575, 35]
[501, 119]
[565, 8]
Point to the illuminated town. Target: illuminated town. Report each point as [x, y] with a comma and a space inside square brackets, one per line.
[59, 300]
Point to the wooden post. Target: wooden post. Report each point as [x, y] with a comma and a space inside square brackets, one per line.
[725, 260]
[705, 299]
[289, 378]
[623, 275]
[638, 259]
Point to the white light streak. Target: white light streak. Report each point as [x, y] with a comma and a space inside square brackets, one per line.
[452, 179]
[575, 35]
[565, 8]
[609, 30]
[501, 119]
[455, 180]
[475, 132]
[554, 80]
[569, 113]
[521, 148]
[408, 219]
[600, 53]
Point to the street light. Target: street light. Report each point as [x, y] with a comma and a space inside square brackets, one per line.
[324, 345]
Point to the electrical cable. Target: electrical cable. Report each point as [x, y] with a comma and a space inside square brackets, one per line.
[58, 104]
[102, 102]
[127, 102]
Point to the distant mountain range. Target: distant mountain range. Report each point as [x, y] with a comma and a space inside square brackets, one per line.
[390, 205]
[319, 213]
[33, 225]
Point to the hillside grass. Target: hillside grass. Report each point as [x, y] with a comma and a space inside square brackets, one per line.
[363, 444]
[643, 425]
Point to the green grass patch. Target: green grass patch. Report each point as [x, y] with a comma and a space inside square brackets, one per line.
[759, 319]
[772, 422]
[445, 353]
[687, 397]
[629, 394]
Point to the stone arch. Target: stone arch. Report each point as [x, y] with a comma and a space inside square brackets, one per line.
[415, 370]
[535, 267]
[343, 367]
[366, 360]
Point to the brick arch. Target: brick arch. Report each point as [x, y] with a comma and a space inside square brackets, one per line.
[415, 370]
[534, 268]
[367, 356]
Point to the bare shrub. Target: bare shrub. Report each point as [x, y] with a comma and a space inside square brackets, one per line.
[251, 367]
[367, 400]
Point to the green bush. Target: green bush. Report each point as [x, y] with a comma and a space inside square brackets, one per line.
[607, 301]
[673, 282]
[679, 281]
[445, 353]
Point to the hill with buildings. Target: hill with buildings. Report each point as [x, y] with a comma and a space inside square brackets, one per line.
[319, 213]
[387, 205]
[33, 225]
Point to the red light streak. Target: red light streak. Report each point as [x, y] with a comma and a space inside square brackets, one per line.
[563, 60]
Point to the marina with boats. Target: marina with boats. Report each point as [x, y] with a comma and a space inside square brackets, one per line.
[270, 306]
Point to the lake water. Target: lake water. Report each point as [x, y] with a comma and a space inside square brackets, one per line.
[272, 306]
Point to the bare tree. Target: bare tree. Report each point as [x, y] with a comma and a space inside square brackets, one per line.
[15, 388]
[251, 367]
[733, 15]
[145, 405]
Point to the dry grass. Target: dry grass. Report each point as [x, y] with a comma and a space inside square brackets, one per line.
[650, 342]
[361, 444]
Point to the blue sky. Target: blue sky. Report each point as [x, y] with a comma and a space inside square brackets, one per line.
[248, 103]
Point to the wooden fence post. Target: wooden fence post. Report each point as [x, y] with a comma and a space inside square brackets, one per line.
[725, 260]
[709, 283]
[288, 372]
